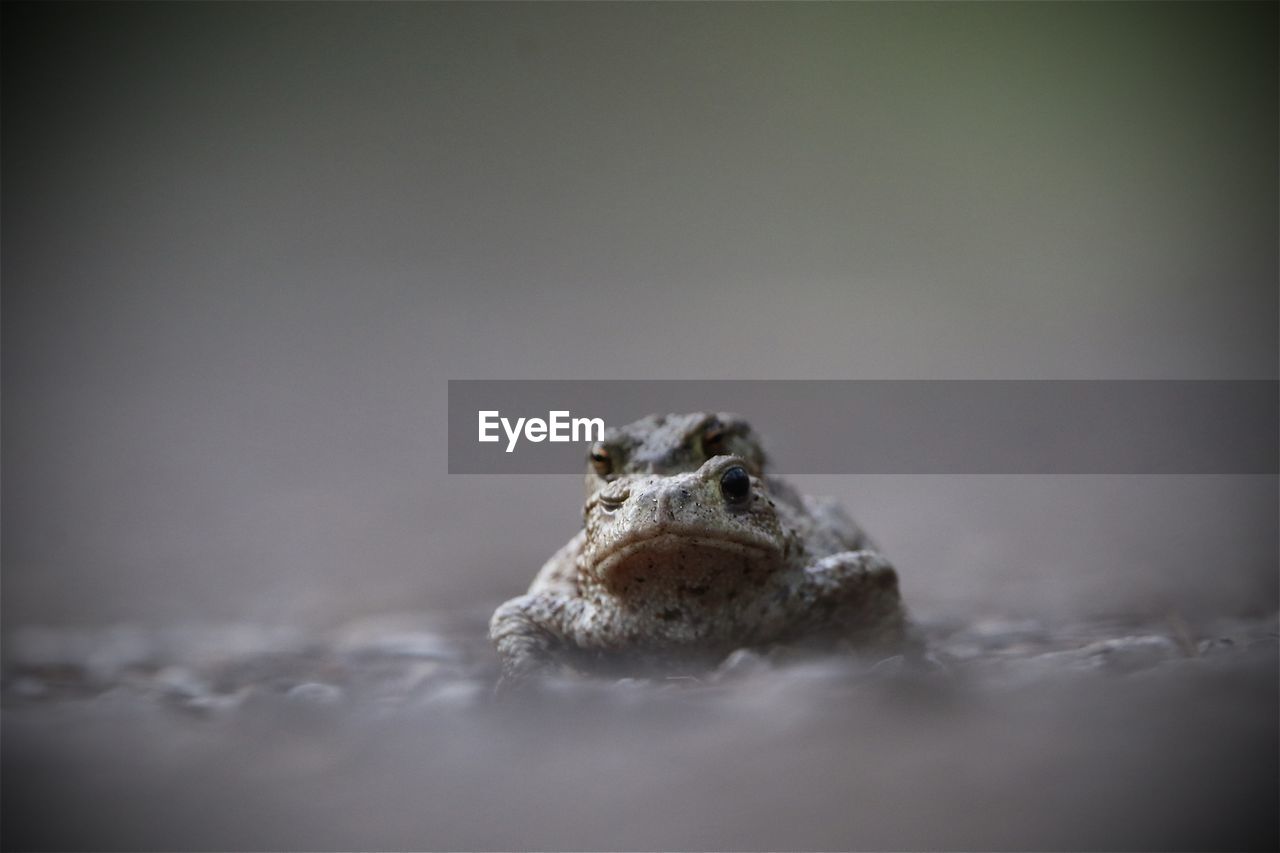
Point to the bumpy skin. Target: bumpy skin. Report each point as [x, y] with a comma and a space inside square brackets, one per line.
[683, 559]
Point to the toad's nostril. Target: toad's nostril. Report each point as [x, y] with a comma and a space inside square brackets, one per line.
[735, 485]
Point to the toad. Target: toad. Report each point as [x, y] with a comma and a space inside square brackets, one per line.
[690, 551]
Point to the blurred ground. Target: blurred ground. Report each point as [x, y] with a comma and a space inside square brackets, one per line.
[382, 735]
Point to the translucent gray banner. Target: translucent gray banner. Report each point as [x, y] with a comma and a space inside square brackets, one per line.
[896, 427]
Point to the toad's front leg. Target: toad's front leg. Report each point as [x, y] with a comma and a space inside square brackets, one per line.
[530, 633]
[854, 596]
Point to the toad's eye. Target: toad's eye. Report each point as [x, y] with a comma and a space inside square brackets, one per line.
[735, 485]
[713, 440]
[601, 460]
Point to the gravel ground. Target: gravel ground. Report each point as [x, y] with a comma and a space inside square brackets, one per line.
[382, 734]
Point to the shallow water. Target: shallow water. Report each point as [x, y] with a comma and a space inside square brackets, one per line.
[382, 734]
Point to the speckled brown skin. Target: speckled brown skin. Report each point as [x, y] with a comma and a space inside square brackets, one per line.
[673, 444]
[674, 569]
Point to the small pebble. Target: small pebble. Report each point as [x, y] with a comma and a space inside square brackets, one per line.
[456, 695]
[740, 664]
[180, 682]
[1215, 646]
[1130, 654]
[217, 703]
[317, 693]
[889, 666]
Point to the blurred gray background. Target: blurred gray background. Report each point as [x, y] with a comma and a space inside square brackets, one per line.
[246, 246]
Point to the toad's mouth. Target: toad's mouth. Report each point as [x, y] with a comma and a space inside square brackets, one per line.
[684, 552]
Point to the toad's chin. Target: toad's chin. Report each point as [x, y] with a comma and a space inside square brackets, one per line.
[697, 561]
